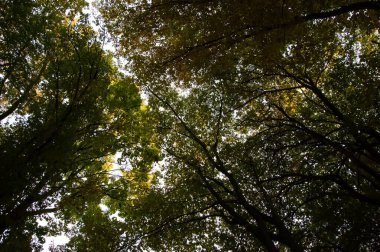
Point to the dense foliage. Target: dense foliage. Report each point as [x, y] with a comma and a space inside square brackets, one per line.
[262, 125]
[65, 111]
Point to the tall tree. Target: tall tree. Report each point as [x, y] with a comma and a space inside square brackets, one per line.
[64, 108]
[267, 113]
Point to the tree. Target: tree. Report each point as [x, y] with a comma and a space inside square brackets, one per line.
[267, 118]
[64, 108]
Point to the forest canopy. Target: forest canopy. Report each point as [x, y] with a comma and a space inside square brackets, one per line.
[226, 126]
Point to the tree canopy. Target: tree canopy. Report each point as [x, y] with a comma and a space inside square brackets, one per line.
[65, 111]
[259, 129]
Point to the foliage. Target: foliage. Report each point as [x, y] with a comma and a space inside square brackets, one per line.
[260, 131]
[64, 109]
[268, 120]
